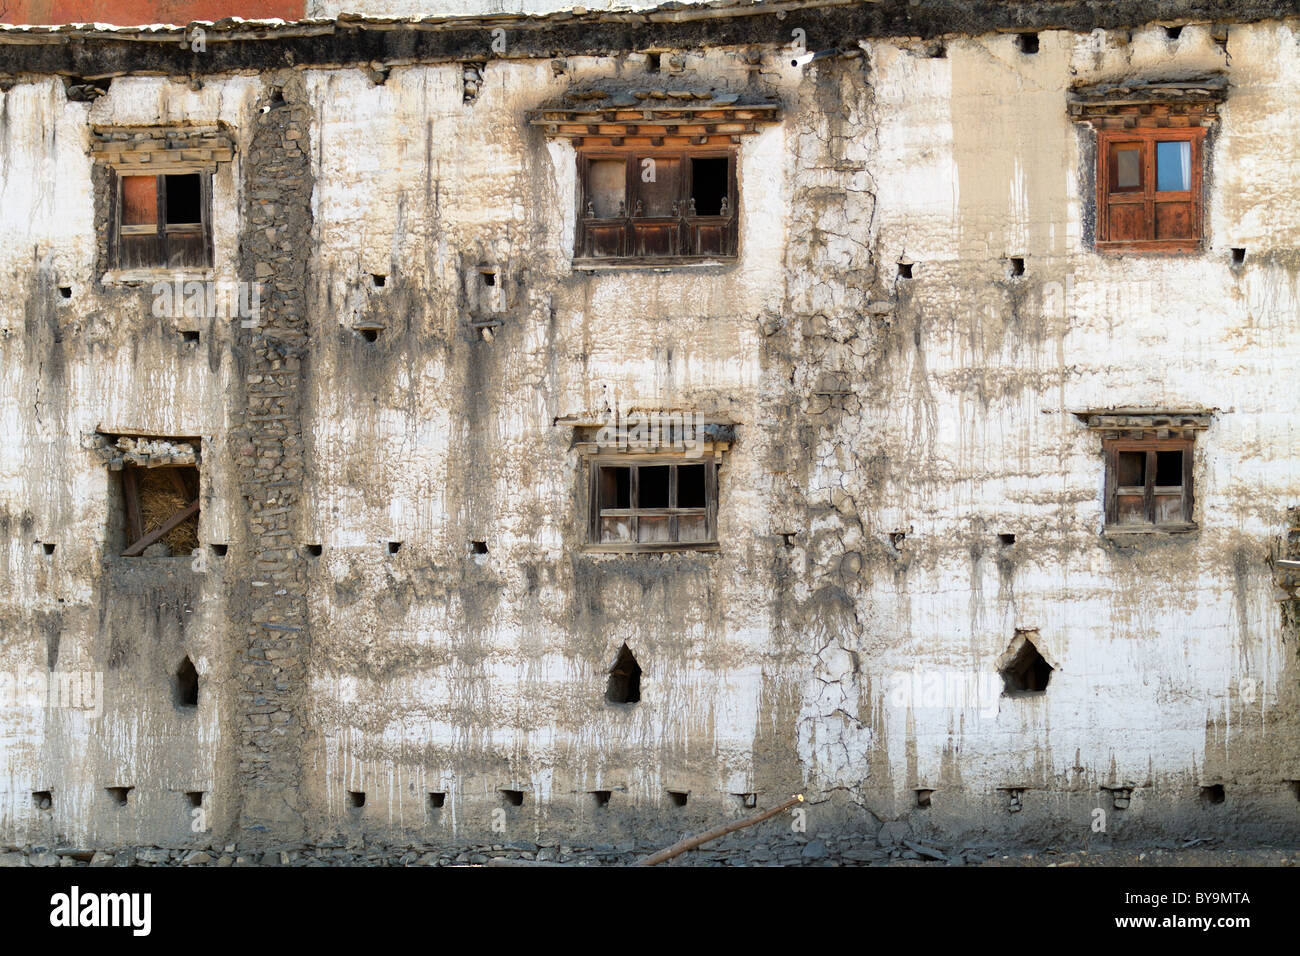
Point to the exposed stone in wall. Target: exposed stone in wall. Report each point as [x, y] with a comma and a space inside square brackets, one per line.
[268, 443]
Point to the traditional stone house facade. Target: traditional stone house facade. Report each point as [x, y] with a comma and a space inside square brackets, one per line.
[608, 422]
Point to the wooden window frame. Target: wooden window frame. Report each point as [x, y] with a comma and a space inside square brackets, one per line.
[685, 229]
[1148, 197]
[161, 229]
[634, 462]
[1112, 447]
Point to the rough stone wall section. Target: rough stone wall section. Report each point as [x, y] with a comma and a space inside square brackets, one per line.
[274, 252]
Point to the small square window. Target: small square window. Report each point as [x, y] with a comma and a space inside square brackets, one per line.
[1148, 189]
[160, 221]
[661, 504]
[1148, 484]
[657, 205]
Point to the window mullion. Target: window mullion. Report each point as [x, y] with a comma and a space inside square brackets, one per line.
[1149, 490]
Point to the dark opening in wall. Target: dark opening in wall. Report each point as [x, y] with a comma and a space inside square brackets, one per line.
[905, 270]
[194, 798]
[1028, 42]
[377, 279]
[677, 797]
[624, 685]
[184, 200]
[478, 547]
[47, 547]
[1017, 266]
[220, 550]
[897, 537]
[1295, 788]
[1213, 794]
[394, 547]
[489, 277]
[652, 62]
[43, 800]
[710, 182]
[747, 801]
[312, 550]
[356, 799]
[119, 795]
[600, 798]
[190, 335]
[65, 291]
[1007, 539]
[1173, 32]
[1238, 256]
[512, 798]
[1015, 798]
[159, 506]
[938, 50]
[187, 684]
[437, 800]
[923, 797]
[787, 538]
[1026, 673]
[369, 334]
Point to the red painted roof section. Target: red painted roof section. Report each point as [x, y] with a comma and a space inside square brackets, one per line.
[140, 12]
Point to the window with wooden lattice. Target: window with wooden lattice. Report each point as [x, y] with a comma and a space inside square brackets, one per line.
[657, 205]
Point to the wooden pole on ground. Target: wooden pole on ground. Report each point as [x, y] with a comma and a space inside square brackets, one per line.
[691, 842]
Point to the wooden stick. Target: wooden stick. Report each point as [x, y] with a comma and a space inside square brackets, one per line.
[691, 842]
[191, 509]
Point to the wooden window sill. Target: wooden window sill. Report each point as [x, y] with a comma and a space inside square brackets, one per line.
[633, 263]
[159, 274]
[1151, 246]
[658, 547]
[1124, 530]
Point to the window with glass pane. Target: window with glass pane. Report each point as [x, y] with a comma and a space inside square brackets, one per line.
[647, 504]
[161, 221]
[1148, 484]
[1148, 189]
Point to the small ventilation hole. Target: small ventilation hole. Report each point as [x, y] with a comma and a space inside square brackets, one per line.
[312, 550]
[905, 270]
[47, 547]
[747, 801]
[356, 799]
[512, 798]
[65, 291]
[1028, 42]
[370, 335]
[652, 62]
[119, 795]
[677, 797]
[787, 538]
[187, 684]
[1238, 256]
[897, 537]
[624, 686]
[938, 51]
[1295, 788]
[489, 278]
[1213, 794]
[1007, 539]
[42, 800]
[437, 800]
[923, 797]
[1027, 673]
[220, 550]
[600, 798]
[1015, 797]
[194, 798]
[1173, 32]
[1017, 266]
[378, 280]
[478, 547]
[190, 335]
[394, 547]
